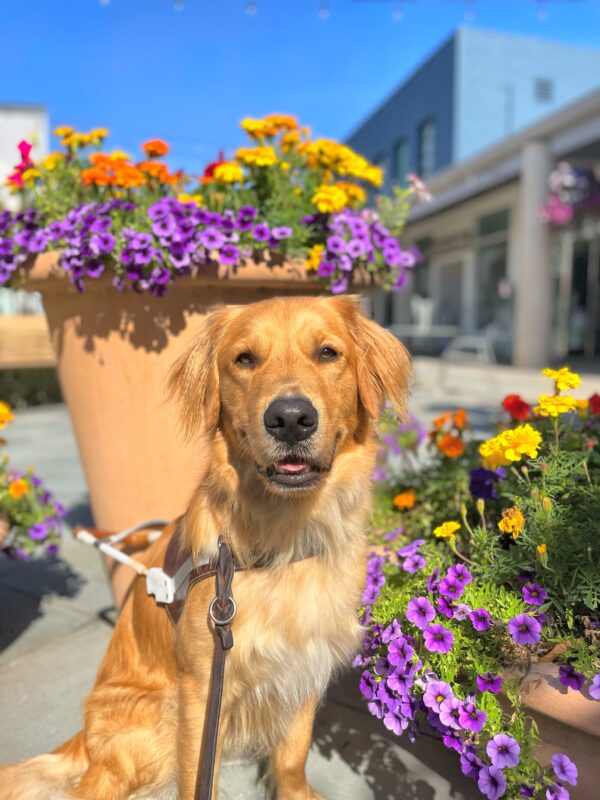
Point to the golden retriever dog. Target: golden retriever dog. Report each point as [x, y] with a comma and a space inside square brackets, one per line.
[282, 396]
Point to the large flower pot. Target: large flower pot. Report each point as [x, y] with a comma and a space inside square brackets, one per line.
[569, 722]
[113, 351]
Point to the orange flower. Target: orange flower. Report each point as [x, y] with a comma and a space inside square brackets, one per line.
[18, 488]
[405, 500]
[440, 421]
[460, 419]
[154, 148]
[155, 170]
[451, 446]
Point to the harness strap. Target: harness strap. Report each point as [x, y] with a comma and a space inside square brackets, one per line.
[222, 611]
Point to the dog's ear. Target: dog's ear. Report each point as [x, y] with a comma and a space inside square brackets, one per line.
[194, 377]
[383, 364]
[383, 369]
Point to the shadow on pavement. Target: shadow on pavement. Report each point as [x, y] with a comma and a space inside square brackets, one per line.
[23, 586]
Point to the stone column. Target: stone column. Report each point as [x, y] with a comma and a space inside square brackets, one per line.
[533, 301]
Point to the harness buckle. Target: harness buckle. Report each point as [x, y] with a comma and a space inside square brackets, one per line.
[219, 620]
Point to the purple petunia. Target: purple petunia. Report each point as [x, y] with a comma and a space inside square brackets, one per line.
[564, 768]
[503, 751]
[489, 683]
[480, 619]
[336, 244]
[451, 588]
[281, 232]
[438, 639]
[460, 574]
[38, 531]
[414, 563]
[534, 595]
[450, 712]
[526, 790]
[524, 629]
[491, 782]
[229, 254]
[482, 482]
[445, 607]
[435, 694]
[410, 549]
[471, 718]
[420, 612]
[367, 685]
[261, 232]
[400, 652]
[594, 688]
[391, 632]
[557, 792]
[569, 677]
[470, 763]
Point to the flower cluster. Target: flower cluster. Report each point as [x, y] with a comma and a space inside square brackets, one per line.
[572, 192]
[354, 240]
[284, 196]
[480, 582]
[30, 518]
[448, 431]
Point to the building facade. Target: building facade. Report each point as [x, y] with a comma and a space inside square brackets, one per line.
[493, 268]
[476, 89]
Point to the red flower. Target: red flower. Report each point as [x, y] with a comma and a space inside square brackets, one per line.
[209, 171]
[516, 407]
[594, 404]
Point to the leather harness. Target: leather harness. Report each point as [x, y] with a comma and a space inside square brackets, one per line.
[222, 611]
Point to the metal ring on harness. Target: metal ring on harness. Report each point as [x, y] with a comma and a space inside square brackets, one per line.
[228, 619]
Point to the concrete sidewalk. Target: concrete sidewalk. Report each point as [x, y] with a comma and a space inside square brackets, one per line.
[54, 628]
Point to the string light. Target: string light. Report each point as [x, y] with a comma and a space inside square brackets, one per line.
[324, 11]
[398, 13]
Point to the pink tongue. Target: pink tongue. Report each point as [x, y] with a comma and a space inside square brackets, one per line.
[283, 466]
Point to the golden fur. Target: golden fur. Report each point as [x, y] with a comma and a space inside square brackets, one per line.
[297, 620]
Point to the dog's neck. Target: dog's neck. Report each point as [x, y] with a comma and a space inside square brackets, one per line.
[264, 527]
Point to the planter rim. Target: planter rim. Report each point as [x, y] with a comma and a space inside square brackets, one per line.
[44, 274]
[542, 692]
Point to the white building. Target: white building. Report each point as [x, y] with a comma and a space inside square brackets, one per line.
[493, 268]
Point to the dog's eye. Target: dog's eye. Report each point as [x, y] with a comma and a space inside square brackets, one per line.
[246, 359]
[328, 354]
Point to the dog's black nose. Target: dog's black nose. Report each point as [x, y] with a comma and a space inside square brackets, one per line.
[291, 419]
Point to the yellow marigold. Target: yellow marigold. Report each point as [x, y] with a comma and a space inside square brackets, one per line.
[289, 140]
[405, 500]
[510, 445]
[541, 549]
[373, 175]
[355, 194]
[118, 155]
[583, 405]
[184, 197]
[282, 121]
[52, 161]
[6, 414]
[563, 378]
[30, 175]
[264, 156]
[314, 257]
[512, 522]
[284, 166]
[64, 130]
[553, 405]
[258, 128]
[229, 172]
[447, 530]
[18, 488]
[329, 198]
[99, 133]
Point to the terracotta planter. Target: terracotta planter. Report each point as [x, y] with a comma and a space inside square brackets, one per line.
[4, 527]
[569, 722]
[113, 352]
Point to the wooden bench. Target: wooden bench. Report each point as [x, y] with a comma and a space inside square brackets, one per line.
[25, 342]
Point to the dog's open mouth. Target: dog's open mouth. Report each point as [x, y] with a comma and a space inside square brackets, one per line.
[293, 473]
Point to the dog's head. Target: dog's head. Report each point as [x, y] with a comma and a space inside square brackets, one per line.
[290, 383]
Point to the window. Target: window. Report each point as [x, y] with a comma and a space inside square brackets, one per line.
[401, 162]
[427, 148]
[493, 223]
[544, 90]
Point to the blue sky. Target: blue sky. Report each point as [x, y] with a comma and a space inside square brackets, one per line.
[143, 69]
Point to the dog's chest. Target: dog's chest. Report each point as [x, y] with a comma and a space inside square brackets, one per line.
[294, 628]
